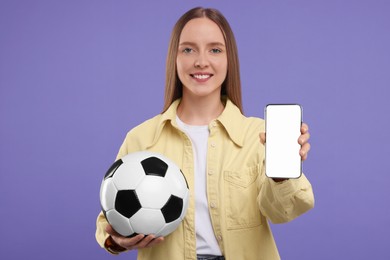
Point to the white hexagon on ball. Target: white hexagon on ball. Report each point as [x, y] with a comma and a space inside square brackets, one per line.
[147, 221]
[128, 176]
[120, 223]
[153, 192]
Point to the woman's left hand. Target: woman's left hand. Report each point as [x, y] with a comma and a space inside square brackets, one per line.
[303, 140]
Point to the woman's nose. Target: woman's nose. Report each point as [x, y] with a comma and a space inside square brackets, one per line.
[201, 61]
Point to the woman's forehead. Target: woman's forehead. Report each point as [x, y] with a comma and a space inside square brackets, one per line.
[201, 30]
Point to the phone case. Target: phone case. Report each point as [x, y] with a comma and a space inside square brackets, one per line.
[283, 128]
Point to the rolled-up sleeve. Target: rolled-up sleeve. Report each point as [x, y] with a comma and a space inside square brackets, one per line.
[101, 234]
[282, 202]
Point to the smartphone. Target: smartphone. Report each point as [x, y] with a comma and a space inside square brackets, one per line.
[283, 128]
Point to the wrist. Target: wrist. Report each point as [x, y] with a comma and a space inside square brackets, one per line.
[113, 247]
[279, 179]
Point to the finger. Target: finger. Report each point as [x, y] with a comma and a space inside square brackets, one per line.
[304, 157]
[304, 128]
[129, 243]
[144, 242]
[110, 230]
[155, 241]
[262, 138]
[304, 138]
[304, 151]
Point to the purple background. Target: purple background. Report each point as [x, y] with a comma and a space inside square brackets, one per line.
[75, 76]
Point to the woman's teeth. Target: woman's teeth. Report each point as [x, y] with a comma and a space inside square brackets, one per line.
[201, 76]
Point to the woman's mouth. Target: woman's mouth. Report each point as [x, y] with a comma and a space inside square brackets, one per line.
[201, 77]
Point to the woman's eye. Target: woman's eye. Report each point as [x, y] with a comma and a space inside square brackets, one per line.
[215, 50]
[187, 50]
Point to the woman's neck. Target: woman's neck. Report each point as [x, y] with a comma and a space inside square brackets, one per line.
[199, 111]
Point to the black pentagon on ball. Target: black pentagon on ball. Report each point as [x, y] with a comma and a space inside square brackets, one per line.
[172, 209]
[113, 169]
[154, 166]
[127, 203]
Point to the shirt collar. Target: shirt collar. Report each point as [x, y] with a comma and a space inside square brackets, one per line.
[231, 119]
[168, 116]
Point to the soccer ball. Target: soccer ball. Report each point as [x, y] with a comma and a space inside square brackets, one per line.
[144, 193]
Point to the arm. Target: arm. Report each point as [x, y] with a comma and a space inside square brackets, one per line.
[282, 200]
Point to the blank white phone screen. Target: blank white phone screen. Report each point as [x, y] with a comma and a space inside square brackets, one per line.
[282, 126]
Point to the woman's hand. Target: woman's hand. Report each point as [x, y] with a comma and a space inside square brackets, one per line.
[137, 242]
[302, 140]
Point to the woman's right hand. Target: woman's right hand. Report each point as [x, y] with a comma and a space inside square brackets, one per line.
[137, 242]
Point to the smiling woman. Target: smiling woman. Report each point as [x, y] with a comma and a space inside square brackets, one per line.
[231, 86]
[201, 68]
[202, 129]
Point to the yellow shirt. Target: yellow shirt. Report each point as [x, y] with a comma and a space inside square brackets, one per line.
[240, 197]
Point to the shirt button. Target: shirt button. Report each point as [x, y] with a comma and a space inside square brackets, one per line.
[219, 237]
[211, 172]
[213, 145]
[212, 205]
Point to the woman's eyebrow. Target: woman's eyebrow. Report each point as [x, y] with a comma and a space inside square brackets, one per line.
[208, 44]
[187, 43]
[216, 44]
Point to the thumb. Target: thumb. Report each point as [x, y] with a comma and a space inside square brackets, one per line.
[262, 137]
[110, 230]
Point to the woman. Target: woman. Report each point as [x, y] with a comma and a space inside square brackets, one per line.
[218, 149]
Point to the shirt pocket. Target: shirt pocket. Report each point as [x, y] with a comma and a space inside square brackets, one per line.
[242, 210]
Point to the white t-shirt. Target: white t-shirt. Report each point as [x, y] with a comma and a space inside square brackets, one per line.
[206, 243]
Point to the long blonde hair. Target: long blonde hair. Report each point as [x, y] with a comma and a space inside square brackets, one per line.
[231, 87]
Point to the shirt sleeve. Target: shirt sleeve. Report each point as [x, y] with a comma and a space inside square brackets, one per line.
[101, 234]
[282, 202]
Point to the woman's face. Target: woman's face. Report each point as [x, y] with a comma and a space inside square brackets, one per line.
[201, 60]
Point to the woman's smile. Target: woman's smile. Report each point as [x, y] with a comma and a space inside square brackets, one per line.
[201, 77]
